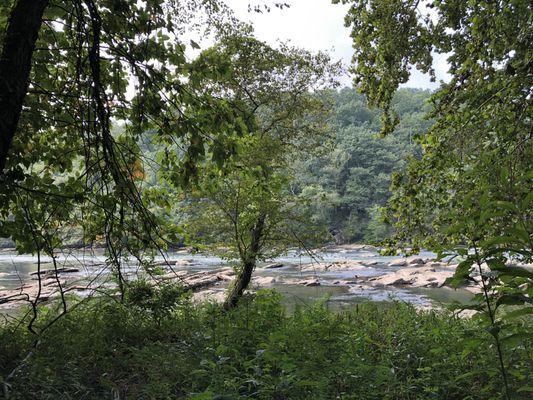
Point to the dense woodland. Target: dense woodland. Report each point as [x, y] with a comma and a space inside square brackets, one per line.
[349, 182]
[135, 128]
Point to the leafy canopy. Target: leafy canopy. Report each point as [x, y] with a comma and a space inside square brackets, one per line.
[98, 63]
[470, 193]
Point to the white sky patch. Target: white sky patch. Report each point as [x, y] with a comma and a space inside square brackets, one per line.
[318, 25]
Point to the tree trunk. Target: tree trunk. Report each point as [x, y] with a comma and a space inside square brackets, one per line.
[248, 265]
[15, 65]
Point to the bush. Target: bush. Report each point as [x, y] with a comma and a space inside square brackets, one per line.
[107, 350]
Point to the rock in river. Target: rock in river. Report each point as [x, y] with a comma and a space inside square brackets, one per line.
[400, 262]
[273, 266]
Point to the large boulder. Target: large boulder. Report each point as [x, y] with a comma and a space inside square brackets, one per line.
[400, 262]
[309, 282]
[264, 280]
[416, 261]
[414, 276]
[184, 263]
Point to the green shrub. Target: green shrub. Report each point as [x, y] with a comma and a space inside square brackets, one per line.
[107, 350]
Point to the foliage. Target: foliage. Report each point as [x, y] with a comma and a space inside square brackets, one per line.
[98, 63]
[337, 174]
[257, 351]
[470, 193]
[350, 176]
[159, 300]
[473, 180]
[242, 204]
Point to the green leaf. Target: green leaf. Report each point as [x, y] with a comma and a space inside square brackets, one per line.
[519, 313]
[195, 45]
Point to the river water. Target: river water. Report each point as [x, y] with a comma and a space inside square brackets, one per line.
[15, 270]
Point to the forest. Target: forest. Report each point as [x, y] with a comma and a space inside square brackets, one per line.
[192, 208]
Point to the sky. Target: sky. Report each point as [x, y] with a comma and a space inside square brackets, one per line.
[318, 25]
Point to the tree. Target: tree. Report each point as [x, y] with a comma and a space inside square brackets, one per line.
[61, 153]
[247, 206]
[71, 71]
[15, 63]
[469, 195]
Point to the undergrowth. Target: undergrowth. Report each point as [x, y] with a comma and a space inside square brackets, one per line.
[140, 350]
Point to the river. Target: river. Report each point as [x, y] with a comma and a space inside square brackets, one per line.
[15, 270]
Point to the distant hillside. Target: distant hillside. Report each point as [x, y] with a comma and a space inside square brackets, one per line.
[350, 181]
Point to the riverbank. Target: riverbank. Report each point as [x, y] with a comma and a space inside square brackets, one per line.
[153, 350]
